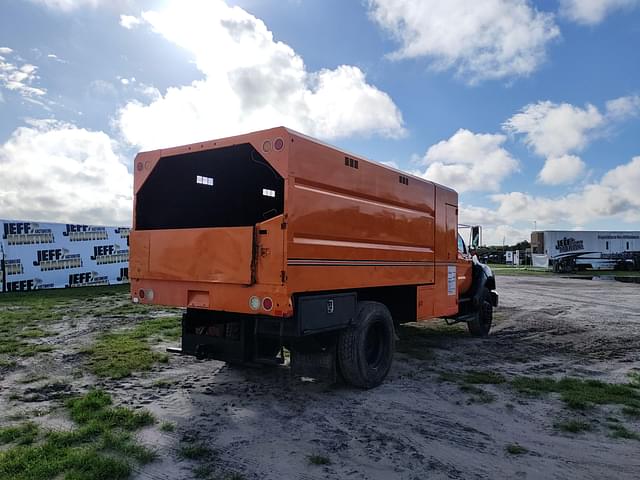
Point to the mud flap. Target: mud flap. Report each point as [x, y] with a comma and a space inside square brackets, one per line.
[318, 365]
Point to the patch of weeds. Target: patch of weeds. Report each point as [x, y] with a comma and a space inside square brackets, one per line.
[468, 381]
[620, 431]
[35, 333]
[118, 355]
[318, 460]
[580, 394]
[479, 377]
[634, 378]
[516, 449]
[195, 451]
[8, 363]
[573, 426]
[632, 412]
[167, 427]
[24, 434]
[484, 377]
[101, 445]
[204, 472]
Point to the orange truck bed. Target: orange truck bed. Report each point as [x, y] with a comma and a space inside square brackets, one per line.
[273, 239]
[336, 222]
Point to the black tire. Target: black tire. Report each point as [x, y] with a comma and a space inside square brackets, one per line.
[481, 324]
[365, 348]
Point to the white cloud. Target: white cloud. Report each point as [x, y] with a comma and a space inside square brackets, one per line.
[623, 108]
[560, 170]
[558, 130]
[19, 78]
[495, 229]
[553, 129]
[615, 195]
[56, 171]
[470, 161]
[481, 40]
[68, 5]
[250, 82]
[129, 21]
[591, 12]
[5, 50]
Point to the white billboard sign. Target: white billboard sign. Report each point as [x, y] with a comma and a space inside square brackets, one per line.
[40, 255]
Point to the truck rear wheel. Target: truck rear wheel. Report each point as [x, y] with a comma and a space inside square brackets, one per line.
[365, 348]
[481, 324]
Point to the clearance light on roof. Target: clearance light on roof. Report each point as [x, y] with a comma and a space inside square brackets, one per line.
[268, 145]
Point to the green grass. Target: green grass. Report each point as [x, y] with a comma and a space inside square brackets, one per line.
[632, 412]
[573, 426]
[620, 431]
[195, 451]
[35, 333]
[580, 394]
[7, 363]
[515, 449]
[167, 427]
[26, 317]
[99, 447]
[505, 270]
[118, 355]
[483, 377]
[24, 434]
[318, 460]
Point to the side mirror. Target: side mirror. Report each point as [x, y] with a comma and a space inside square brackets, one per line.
[476, 236]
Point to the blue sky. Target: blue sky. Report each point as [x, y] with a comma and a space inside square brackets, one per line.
[531, 110]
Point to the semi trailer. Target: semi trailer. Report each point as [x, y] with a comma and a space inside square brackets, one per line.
[273, 240]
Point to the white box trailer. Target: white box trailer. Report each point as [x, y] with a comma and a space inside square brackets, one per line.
[569, 250]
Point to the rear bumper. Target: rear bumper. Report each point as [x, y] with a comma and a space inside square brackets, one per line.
[212, 296]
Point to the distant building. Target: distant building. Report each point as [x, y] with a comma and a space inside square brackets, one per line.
[602, 250]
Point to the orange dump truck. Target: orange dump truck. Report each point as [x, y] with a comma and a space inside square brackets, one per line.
[273, 239]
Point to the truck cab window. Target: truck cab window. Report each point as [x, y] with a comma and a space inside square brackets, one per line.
[461, 246]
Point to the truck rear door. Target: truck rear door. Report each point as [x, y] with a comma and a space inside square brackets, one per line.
[196, 215]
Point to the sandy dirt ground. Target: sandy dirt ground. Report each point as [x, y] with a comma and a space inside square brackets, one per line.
[265, 424]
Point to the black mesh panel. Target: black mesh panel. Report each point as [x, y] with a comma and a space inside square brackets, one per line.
[246, 190]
